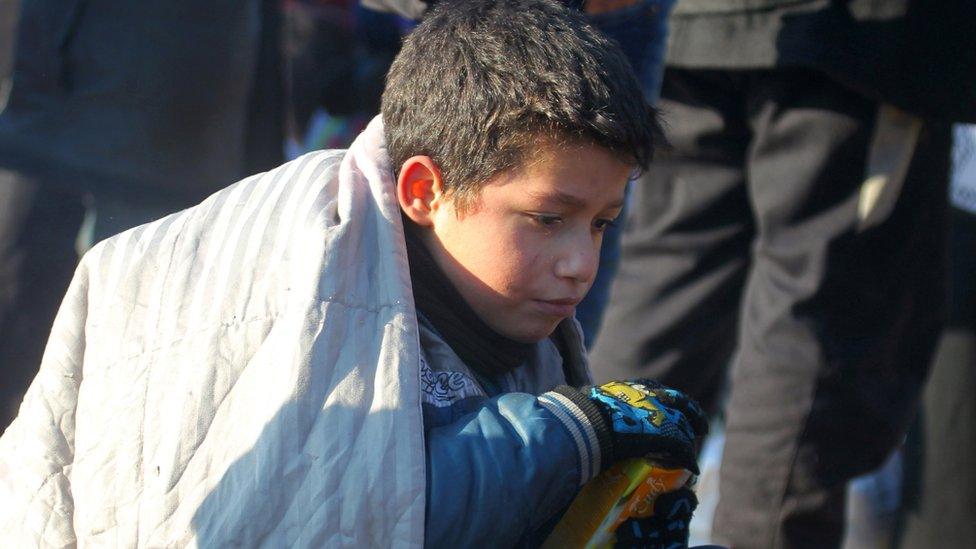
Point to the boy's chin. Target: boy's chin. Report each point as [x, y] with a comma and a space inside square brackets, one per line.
[529, 334]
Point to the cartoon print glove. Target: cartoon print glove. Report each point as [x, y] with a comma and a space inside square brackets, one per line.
[642, 418]
[666, 528]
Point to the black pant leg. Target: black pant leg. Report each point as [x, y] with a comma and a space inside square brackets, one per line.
[939, 489]
[839, 318]
[38, 227]
[684, 250]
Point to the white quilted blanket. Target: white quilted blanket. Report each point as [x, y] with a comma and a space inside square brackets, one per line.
[244, 372]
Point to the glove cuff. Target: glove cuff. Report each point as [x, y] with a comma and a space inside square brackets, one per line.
[587, 426]
[597, 419]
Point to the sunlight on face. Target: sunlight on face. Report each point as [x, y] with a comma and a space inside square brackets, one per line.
[525, 251]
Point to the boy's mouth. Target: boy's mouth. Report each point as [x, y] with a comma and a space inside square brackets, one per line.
[558, 307]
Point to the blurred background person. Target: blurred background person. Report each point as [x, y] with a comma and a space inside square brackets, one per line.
[793, 239]
[118, 113]
[9, 10]
[337, 54]
[939, 488]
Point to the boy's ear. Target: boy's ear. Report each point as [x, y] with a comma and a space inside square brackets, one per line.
[420, 189]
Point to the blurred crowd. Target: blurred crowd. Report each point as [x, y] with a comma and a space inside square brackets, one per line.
[801, 259]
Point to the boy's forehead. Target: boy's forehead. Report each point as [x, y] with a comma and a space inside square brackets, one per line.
[568, 199]
[573, 175]
[562, 172]
[559, 160]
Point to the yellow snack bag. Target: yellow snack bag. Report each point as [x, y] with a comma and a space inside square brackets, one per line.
[626, 490]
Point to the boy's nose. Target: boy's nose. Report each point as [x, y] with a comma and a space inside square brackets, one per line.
[579, 260]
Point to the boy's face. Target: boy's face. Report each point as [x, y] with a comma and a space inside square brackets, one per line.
[525, 251]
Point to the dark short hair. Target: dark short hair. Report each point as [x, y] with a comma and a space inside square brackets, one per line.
[479, 83]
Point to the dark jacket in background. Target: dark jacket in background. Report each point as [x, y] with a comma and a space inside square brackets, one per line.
[177, 97]
[918, 55]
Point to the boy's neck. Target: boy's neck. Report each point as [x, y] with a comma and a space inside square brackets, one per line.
[476, 344]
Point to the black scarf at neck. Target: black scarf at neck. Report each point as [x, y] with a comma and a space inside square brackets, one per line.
[477, 345]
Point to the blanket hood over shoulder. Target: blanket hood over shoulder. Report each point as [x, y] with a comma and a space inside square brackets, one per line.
[245, 372]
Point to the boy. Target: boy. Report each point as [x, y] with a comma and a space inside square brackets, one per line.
[370, 347]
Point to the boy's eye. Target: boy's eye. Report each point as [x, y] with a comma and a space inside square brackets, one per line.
[604, 224]
[545, 220]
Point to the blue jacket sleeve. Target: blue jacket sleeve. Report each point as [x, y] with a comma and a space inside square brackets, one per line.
[502, 471]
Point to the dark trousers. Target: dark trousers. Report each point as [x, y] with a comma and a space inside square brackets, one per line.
[38, 230]
[756, 251]
[939, 489]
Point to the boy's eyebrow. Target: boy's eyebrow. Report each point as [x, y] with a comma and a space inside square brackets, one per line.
[570, 200]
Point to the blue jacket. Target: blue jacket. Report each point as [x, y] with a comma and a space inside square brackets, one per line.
[504, 456]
